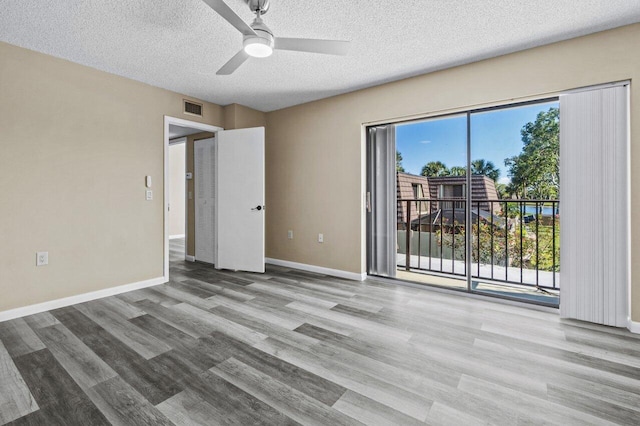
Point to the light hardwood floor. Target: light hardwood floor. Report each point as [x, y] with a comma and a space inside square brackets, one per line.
[290, 347]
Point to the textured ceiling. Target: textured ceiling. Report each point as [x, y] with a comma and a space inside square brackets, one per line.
[180, 44]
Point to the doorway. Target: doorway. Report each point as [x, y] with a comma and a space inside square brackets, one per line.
[234, 179]
[178, 131]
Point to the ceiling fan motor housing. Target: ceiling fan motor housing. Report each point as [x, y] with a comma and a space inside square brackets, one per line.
[261, 6]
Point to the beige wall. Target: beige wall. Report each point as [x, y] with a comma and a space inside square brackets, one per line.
[76, 146]
[238, 116]
[315, 151]
[177, 168]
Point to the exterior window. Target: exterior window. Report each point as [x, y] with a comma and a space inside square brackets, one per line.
[421, 206]
[452, 191]
[417, 190]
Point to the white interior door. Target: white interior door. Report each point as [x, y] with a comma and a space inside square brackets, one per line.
[205, 195]
[240, 200]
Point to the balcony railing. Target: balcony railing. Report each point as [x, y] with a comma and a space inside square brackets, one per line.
[512, 241]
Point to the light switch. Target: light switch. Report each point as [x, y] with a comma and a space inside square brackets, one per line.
[147, 181]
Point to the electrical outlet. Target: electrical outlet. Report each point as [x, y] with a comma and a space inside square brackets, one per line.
[320, 238]
[42, 258]
[149, 195]
[290, 234]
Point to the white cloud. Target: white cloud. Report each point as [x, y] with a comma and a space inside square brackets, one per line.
[425, 142]
[504, 180]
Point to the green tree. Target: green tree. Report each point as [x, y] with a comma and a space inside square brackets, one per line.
[535, 172]
[458, 171]
[501, 188]
[487, 168]
[399, 167]
[435, 168]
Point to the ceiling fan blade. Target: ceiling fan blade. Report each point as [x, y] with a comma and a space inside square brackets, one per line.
[233, 63]
[227, 13]
[328, 47]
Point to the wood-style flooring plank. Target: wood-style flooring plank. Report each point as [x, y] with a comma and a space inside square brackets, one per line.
[16, 399]
[19, 338]
[290, 294]
[595, 406]
[370, 412]
[302, 380]
[225, 403]
[189, 325]
[185, 346]
[352, 321]
[122, 405]
[217, 323]
[564, 372]
[86, 368]
[292, 403]
[530, 409]
[59, 397]
[282, 334]
[75, 411]
[405, 356]
[188, 408]
[47, 380]
[264, 314]
[102, 313]
[185, 296]
[441, 414]
[148, 377]
[365, 384]
[41, 320]
[121, 308]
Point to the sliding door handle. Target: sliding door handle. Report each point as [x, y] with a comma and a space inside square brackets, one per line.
[258, 208]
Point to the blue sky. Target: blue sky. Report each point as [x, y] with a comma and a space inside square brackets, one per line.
[495, 135]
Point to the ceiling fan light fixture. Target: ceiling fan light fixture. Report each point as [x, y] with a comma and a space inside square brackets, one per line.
[258, 47]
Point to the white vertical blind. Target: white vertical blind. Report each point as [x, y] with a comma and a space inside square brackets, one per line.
[594, 203]
[382, 202]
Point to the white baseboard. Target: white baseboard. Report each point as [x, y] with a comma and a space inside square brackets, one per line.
[189, 258]
[175, 237]
[634, 327]
[318, 269]
[80, 298]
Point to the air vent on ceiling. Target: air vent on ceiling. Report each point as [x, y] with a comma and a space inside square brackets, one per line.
[192, 108]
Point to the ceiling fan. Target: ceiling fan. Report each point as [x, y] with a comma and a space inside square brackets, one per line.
[259, 41]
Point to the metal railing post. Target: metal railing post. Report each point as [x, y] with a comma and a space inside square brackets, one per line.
[407, 237]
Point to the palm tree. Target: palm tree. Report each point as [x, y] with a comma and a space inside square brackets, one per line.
[435, 168]
[458, 171]
[487, 168]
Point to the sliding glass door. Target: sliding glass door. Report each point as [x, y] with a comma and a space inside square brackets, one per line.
[515, 173]
[476, 201]
[431, 162]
